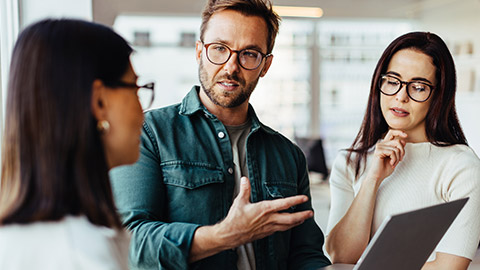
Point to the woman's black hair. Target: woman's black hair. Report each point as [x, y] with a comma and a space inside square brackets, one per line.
[53, 160]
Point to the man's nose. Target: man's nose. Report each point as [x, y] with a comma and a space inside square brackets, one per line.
[232, 65]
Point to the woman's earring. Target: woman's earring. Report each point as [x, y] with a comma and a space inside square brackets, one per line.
[103, 126]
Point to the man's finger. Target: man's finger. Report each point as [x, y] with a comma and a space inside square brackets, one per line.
[289, 219]
[282, 204]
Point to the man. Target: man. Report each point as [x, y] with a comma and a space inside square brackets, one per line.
[185, 200]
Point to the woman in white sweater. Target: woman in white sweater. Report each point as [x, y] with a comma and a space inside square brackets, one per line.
[72, 114]
[410, 153]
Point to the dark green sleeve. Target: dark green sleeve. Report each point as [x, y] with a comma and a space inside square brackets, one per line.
[140, 197]
[306, 243]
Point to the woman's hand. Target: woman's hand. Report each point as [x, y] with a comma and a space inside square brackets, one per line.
[388, 153]
[349, 238]
[445, 261]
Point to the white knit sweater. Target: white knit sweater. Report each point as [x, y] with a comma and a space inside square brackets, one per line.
[427, 175]
[72, 243]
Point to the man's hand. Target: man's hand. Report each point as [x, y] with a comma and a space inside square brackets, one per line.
[246, 222]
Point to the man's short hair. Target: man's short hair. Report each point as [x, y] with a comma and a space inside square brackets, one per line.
[261, 8]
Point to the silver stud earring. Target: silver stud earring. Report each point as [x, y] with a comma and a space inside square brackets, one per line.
[103, 126]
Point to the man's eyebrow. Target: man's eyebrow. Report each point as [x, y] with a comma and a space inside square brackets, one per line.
[219, 40]
[255, 47]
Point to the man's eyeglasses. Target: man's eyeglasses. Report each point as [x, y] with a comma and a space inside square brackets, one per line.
[145, 93]
[219, 54]
[416, 90]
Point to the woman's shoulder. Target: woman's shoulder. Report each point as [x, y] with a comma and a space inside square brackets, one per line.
[455, 162]
[343, 167]
[72, 240]
[346, 158]
[97, 246]
[341, 159]
[67, 227]
[457, 153]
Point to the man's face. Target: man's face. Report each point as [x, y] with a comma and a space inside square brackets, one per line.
[229, 85]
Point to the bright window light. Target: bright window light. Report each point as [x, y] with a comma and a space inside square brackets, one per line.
[290, 11]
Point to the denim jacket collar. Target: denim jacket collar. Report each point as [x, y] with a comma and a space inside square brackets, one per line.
[191, 104]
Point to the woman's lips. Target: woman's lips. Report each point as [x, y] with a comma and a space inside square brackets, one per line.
[399, 112]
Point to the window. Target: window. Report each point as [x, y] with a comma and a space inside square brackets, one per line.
[9, 24]
[336, 57]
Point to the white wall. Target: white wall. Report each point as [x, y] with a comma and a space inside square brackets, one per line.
[457, 21]
[8, 32]
[34, 10]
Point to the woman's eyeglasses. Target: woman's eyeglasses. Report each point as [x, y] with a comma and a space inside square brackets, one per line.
[145, 93]
[417, 90]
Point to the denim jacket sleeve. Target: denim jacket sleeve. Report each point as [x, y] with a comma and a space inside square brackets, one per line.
[307, 239]
[140, 197]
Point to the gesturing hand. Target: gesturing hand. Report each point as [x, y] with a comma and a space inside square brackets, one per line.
[388, 153]
[246, 221]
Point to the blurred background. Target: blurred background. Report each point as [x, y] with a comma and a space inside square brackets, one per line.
[315, 93]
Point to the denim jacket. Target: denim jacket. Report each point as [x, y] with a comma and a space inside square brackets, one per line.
[184, 179]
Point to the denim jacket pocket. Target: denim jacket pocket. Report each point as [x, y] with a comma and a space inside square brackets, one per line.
[281, 189]
[190, 175]
[192, 190]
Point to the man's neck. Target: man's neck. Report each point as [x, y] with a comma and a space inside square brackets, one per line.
[228, 116]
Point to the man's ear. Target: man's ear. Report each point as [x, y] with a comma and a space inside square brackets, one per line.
[268, 62]
[99, 100]
[198, 50]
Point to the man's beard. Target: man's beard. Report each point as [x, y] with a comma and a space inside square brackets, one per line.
[224, 98]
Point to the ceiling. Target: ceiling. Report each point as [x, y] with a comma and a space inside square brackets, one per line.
[105, 11]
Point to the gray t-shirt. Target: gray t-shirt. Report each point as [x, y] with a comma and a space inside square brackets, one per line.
[238, 138]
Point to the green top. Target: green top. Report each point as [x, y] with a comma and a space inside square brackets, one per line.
[184, 178]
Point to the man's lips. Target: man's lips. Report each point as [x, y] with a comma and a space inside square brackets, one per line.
[229, 84]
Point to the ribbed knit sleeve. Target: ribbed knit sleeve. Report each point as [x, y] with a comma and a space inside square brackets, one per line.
[341, 190]
[462, 179]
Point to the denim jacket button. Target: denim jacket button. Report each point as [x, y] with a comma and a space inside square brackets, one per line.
[230, 170]
[221, 135]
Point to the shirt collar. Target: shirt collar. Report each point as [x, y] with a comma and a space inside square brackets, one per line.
[191, 104]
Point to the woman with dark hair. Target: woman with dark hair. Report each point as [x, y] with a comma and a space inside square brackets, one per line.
[72, 114]
[410, 153]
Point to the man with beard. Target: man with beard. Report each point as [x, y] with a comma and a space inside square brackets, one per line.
[214, 188]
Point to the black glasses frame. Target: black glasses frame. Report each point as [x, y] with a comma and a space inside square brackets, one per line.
[238, 52]
[149, 86]
[407, 84]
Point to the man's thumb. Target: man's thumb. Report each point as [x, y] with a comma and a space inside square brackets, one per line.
[244, 193]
